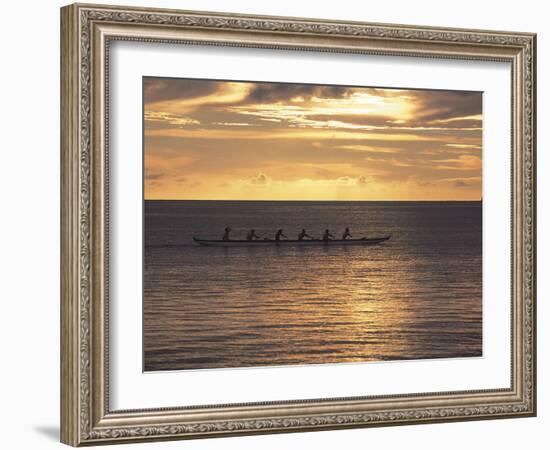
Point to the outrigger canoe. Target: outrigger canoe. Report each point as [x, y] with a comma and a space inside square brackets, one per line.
[288, 242]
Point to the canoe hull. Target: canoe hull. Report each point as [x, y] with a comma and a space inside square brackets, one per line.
[289, 242]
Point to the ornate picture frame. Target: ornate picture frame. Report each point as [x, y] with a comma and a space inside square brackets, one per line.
[86, 34]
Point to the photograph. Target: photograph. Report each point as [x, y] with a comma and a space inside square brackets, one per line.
[296, 224]
[292, 222]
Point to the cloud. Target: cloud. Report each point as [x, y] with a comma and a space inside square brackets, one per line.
[153, 175]
[370, 120]
[463, 162]
[346, 181]
[369, 148]
[171, 119]
[313, 141]
[441, 105]
[232, 124]
[425, 183]
[470, 146]
[278, 92]
[261, 178]
[399, 163]
[163, 89]
[461, 184]
[343, 181]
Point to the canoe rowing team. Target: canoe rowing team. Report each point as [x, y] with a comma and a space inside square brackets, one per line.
[252, 236]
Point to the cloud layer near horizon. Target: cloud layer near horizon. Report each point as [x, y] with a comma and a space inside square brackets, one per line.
[230, 140]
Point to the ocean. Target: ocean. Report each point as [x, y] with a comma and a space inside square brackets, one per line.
[416, 296]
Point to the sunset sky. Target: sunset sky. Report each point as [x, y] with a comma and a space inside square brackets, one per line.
[226, 140]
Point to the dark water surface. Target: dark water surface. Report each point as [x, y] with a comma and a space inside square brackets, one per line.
[416, 296]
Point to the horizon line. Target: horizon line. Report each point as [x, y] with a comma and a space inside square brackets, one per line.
[320, 200]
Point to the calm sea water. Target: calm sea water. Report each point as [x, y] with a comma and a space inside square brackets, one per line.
[416, 296]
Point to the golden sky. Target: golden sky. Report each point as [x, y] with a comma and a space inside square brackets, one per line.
[227, 140]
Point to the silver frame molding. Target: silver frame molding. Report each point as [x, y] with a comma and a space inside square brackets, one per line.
[86, 33]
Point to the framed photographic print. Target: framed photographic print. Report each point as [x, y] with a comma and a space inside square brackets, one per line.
[277, 225]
